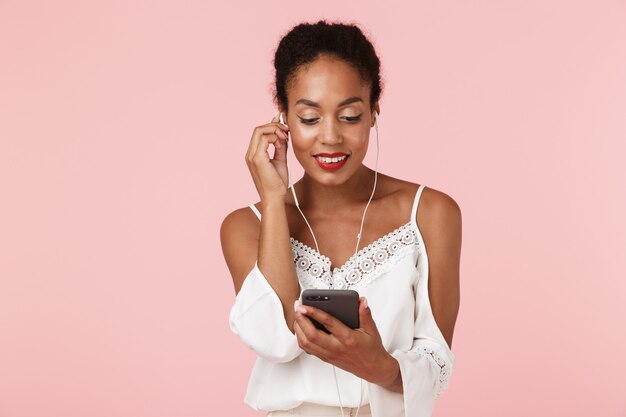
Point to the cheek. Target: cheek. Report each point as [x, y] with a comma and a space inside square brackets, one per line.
[360, 145]
[301, 149]
[303, 137]
[302, 144]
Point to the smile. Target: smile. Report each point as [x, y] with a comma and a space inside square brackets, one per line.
[333, 163]
[331, 160]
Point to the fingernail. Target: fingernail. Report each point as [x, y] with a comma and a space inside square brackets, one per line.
[297, 306]
[364, 302]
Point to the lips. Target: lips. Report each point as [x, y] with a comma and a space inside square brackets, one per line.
[331, 166]
[330, 155]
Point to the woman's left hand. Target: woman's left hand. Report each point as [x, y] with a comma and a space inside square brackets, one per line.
[358, 351]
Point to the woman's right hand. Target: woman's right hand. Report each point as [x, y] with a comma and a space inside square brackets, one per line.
[270, 176]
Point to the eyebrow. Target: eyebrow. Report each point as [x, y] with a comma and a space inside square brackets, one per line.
[343, 103]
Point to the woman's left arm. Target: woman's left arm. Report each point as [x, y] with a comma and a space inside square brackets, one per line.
[440, 223]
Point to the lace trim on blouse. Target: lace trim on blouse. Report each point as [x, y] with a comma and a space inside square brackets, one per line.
[361, 269]
[444, 372]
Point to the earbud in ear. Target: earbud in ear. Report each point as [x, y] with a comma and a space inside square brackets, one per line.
[283, 122]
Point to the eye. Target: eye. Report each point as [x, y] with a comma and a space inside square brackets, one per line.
[349, 119]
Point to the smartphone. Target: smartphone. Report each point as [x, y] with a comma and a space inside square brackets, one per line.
[342, 304]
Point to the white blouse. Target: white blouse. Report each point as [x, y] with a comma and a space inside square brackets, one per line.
[392, 272]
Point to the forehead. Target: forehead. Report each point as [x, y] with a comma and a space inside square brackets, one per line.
[328, 81]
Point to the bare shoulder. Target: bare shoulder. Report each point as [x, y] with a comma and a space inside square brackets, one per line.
[438, 206]
[439, 220]
[240, 221]
[432, 201]
[239, 237]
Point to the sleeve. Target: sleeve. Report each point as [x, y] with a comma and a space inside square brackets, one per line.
[257, 317]
[425, 368]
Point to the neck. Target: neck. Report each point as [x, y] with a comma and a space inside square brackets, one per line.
[338, 198]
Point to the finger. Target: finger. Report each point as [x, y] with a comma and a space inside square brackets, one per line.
[269, 133]
[307, 326]
[258, 132]
[277, 119]
[300, 336]
[303, 341]
[273, 132]
[280, 153]
[366, 321]
[263, 144]
[333, 324]
[313, 334]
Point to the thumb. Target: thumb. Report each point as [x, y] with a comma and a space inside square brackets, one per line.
[366, 321]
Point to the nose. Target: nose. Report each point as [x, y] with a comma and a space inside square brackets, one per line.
[330, 132]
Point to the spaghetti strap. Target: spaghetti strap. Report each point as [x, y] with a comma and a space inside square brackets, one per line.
[416, 202]
[256, 210]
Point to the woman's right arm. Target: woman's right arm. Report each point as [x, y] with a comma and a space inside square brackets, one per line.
[275, 258]
[260, 257]
[247, 247]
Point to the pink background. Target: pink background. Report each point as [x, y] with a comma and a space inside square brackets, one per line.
[124, 126]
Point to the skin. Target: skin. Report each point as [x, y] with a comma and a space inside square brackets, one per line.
[333, 203]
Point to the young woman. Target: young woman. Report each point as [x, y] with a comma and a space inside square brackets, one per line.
[405, 265]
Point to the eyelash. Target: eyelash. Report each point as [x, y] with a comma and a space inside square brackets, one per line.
[349, 119]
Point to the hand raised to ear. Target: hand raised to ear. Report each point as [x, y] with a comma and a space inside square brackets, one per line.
[270, 175]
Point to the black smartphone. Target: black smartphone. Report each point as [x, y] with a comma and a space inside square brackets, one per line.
[342, 304]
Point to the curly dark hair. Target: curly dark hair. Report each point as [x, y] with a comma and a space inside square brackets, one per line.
[306, 42]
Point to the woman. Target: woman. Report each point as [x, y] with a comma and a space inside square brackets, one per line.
[399, 360]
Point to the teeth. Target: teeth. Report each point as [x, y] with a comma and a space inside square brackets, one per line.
[331, 160]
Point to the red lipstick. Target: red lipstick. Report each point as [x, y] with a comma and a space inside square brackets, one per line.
[331, 166]
[330, 155]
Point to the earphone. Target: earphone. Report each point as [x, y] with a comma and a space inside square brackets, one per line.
[357, 242]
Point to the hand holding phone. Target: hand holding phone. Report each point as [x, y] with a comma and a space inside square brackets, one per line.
[341, 304]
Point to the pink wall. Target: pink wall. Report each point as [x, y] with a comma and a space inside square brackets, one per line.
[123, 128]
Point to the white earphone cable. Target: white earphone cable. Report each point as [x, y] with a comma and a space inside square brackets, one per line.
[357, 242]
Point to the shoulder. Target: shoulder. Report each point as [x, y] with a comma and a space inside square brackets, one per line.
[239, 223]
[438, 215]
[239, 236]
[439, 219]
[435, 206]
[438, 206]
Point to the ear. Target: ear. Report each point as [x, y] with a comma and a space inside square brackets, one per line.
[282, 113]
[377, 110]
